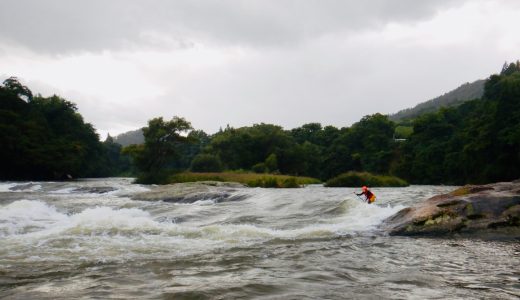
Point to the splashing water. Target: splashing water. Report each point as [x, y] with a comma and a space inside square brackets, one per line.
[68, 240]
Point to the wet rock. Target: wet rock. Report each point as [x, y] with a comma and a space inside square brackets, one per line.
[25, 187]
[95, 189]
[193, 191]
[491, 210]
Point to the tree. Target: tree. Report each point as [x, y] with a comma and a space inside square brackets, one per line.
[45, 137]
[206, 163]
[245, 147]
[163, 140]
[13, 85]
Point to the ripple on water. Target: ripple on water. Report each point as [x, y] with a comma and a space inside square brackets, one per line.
[309, 243]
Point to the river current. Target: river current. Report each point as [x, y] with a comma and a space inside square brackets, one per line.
[89, 240]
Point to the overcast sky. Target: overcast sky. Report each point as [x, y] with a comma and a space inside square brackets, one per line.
[214, 63]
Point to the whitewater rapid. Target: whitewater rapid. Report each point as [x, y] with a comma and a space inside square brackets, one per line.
[138, 228]
[94, 226]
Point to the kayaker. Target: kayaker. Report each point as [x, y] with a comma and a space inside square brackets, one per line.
[369, 196]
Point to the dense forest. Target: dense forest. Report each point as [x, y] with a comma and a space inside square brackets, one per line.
[475, 142]
[46, 138]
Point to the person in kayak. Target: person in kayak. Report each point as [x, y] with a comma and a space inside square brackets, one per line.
[370, 197]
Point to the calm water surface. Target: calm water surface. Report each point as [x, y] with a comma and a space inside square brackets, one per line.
[64, 241]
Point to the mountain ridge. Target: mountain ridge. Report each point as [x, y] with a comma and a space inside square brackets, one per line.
[465, 92]
[133, 137]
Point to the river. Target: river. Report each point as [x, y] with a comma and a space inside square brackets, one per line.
[88, 239]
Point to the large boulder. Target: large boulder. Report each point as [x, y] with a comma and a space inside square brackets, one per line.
[491, 210]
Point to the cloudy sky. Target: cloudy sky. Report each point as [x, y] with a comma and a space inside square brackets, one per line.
[286, 62]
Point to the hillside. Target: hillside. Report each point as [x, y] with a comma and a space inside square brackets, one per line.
[130, 138]
[463, 93]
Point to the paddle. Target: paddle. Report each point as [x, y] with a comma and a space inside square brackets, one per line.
[358, 197]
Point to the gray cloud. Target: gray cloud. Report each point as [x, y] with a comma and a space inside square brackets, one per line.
[243, 62]
[64, 26]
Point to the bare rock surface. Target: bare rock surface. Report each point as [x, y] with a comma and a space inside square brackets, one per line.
[491, 210]
[193, 191]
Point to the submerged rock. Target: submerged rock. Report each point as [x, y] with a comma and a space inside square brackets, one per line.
[491, 210]
[95, 189]
[190, 192]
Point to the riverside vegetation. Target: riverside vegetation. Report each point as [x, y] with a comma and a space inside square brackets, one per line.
[475, 142]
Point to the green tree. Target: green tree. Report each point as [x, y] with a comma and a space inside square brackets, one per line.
[271, 163]
[163, 140]
[244, 147]
[206, 163]
[45, 137]
[476, 142]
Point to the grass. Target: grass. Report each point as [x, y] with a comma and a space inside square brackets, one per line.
[249, 179]
[356, 179]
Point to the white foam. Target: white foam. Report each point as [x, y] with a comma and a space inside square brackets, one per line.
[64, 191]
[205, 202]
[26, 216]
[130, 232]
[105, 219]
[5, 186]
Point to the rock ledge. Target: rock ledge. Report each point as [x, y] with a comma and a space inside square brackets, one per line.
[491, 210]
[193, 191]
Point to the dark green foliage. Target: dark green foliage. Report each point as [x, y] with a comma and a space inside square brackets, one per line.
[271, 163]
[12, 85]
[244, 147]
[358, 179]
[198, 140]
[403, 132]
[368, 145]
[117, 163]
[162, 147]
[45, 138]
[477, 142]
[511, 68]
[206, 163]
[310, 150]
[259, 168]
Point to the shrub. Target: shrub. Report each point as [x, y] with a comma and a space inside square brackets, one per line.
[266, 182]
[290, 183]
[160, 177]
[259, 168]
[356, 179]
[249, 179]
[206, 163]
[271, 163]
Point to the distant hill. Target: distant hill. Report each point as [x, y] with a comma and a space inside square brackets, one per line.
[463, 93]
[130, 138]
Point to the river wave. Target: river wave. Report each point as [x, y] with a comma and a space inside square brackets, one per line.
[91, 239]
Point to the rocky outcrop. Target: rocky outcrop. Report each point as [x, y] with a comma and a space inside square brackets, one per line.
[491, 210]
[193, 191]
[95, 189]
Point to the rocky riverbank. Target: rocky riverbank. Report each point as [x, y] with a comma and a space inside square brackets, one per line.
[490, 211]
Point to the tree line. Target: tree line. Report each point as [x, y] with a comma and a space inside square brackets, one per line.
[476, 142]
[45, 138]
